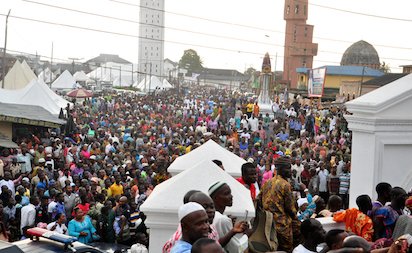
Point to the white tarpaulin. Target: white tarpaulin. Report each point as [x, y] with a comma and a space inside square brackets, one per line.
[80, 76]
[35, 93]
[18, 76]
[119, 75]
[151, 84]
[46, 76]
[64, 82]
[166, 84]
[209, 151]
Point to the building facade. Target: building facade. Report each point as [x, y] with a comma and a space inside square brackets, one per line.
[151, 38]
[299, 48]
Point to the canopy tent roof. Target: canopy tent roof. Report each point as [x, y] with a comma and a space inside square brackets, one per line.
[29, 115]
[18, 76]
[36, 93]
[64, 82]
[118, 74]
[168, 196]
[80, 76]
[209, 151]
[46, 76]
[152, 84]
[166, 84]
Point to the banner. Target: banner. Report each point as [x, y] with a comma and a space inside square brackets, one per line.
[316, 82]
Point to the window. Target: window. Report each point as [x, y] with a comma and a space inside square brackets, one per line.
[297, 9]
[288, 10]
[304, 10]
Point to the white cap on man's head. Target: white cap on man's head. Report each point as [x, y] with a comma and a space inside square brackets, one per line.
[189, 208]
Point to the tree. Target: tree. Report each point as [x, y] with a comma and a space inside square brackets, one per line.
[250, 71]
[385, 68]
[191, 62]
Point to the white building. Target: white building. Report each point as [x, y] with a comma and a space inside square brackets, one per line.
[151, 38]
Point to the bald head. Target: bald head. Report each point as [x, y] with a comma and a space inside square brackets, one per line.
[205, 201]
[355, 241]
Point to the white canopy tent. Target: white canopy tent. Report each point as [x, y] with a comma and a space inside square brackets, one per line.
[209, 151]
[46, 76]
[163, 203]
[80, 76]
[151, 84]
[166, 84]
[18, 76]
[64, 82]
[35, 93]
[119, 75]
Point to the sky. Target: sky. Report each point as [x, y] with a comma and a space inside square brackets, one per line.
[230, 34]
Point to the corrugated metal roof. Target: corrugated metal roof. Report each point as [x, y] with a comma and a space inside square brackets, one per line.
[28, 114]
[385, 79]
[347, 71]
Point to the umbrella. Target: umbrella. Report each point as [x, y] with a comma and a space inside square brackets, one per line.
[79, 93]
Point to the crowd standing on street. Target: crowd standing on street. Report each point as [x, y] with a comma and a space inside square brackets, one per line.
[89, 178]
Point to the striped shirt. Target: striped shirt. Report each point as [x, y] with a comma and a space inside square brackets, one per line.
[344, 180]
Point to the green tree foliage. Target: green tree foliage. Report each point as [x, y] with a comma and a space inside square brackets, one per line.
[385, 68]
[191, 61]
[250, 71]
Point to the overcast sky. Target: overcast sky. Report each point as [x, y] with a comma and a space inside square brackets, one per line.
[260, 28]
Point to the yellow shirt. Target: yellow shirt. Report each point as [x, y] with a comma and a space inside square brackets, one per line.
[116, 189]
[250, 107]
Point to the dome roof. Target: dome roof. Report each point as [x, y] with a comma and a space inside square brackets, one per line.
[360, 53]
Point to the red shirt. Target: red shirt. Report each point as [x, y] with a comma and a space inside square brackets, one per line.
[252, 187]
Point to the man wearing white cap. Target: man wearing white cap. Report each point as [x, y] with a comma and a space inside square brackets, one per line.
[195, 225]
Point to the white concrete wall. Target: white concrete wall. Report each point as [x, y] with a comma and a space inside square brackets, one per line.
[381, 123]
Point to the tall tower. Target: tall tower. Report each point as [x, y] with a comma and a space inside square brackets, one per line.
[299, 49]
[151, 38]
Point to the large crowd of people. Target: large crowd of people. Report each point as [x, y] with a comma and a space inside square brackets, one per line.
[89, 178]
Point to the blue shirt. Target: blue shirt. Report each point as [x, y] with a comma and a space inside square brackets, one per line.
[181, 247]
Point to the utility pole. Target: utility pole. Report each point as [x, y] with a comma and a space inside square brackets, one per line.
[51, 66]
[120, 77]
[4, 51]
[150, 76]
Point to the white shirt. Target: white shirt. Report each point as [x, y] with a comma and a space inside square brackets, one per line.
[28, 214]
[9, 184]
[223, 225]
[301, 249]
[52, 205]
[323, 179]
[254, 123]
[61, 229]
[299, 170]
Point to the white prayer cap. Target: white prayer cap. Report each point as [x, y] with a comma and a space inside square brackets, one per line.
[189, 208]
[302, 201]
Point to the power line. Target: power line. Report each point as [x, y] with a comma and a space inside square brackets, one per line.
[136, 36]
[189, 31]
[248, 26]
[362, 14]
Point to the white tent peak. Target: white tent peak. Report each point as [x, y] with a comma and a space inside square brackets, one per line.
[64, 82]
[166, 84]
[209, 151]
[80, 76]
[35, 93]
[162, 205]
[46, 75]
[19, 76]
[151, 84]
